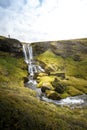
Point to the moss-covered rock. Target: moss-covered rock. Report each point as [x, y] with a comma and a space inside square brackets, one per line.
[45, 81]
[59, 87]
[53, 95]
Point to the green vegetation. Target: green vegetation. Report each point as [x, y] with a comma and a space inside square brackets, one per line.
[20, 109]
[51, 61]
[11, 71]
[75, 72]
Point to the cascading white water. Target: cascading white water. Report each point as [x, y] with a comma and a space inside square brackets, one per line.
[25, 53]
[73, 102]
[30, 52]
[32, 68]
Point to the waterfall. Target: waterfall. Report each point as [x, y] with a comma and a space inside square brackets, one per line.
[32, 67]
[30, 52]
[25, 53]
[27, 49]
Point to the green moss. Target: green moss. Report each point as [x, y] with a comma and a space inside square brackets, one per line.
[65, 95]
[52, 61]
[73, 91]
[46, 81]
[74, 70]
[77, 83]
[57, 64]
[11, 71]
[77, 69]
[19, 109]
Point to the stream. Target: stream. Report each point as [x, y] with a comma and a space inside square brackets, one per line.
[72, 102]
[79, 101]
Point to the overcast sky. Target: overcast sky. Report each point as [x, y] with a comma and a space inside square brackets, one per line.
[39, 20]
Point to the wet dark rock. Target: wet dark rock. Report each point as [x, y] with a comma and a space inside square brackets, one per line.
[53, 95]
[44, 88]
[25, 79]
[60, 88]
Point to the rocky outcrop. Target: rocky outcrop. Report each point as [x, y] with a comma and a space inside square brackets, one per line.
[10, 45]
[53, 95]
[60, 88]
[40, 47]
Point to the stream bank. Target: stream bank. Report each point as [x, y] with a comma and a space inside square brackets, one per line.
[72, 102]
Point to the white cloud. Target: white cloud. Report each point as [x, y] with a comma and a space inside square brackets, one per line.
[52, 20]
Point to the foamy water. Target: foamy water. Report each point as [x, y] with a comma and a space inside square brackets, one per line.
[76, 101]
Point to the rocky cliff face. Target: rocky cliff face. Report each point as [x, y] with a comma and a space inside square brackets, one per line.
[67, 48]
[10, 45]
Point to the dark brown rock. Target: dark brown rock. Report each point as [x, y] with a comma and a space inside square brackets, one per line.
[11, 45]
[53, 95]
[59, 87]
[44, 88]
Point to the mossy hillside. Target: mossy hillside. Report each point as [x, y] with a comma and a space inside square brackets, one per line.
[70, 48]
[51, 61]
[58, 64]
[21, 110]
[12, 70]
[77, 69]
[75, 72]
[19, 107]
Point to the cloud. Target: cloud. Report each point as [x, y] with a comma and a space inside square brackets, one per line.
[35, 20]
[5, 3]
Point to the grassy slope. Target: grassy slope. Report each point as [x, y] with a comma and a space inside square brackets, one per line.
[21, 110]
[75, 71]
